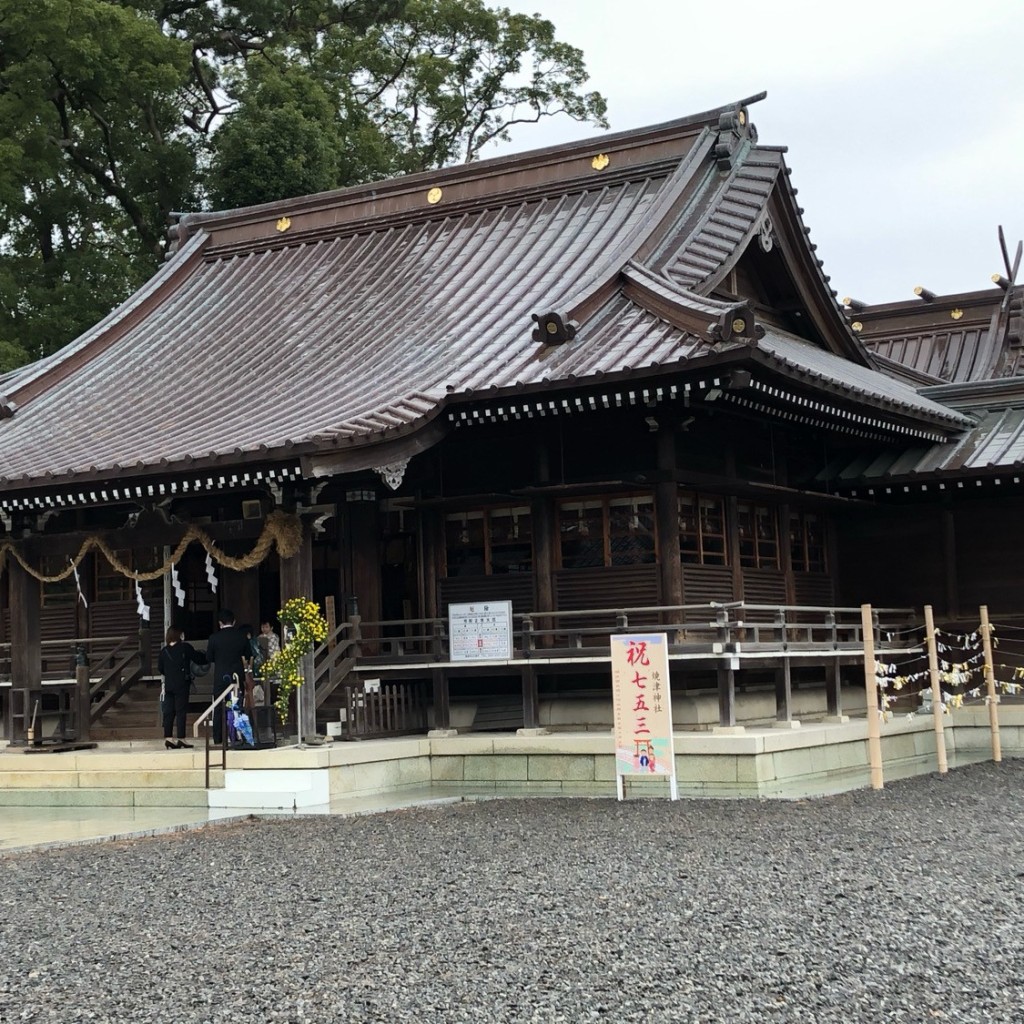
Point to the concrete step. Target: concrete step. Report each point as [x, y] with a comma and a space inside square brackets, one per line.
[177, 796]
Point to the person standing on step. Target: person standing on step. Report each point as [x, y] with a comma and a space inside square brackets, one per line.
[227, 651]
[175, 665]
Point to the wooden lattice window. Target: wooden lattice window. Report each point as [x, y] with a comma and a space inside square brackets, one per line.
[702, 529]
[492, 542]
[62, 593]
[807, 542]
[758, 528]
[113, 586]
[110, 584]
[598, 532]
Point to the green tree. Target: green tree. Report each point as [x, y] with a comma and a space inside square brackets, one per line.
[114, 113]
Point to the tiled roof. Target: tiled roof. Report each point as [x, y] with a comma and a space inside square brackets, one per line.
[353, 318]
[992, 444]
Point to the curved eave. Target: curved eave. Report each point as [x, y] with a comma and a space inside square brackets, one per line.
[802, 361]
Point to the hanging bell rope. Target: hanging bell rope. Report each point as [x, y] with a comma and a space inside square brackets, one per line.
[281, 530]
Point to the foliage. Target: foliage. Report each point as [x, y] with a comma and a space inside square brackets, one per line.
[115, 113]
[304, 627]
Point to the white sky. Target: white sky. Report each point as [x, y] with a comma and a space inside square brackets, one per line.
[903, 118]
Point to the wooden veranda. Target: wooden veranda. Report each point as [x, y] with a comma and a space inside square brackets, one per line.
[373, 670]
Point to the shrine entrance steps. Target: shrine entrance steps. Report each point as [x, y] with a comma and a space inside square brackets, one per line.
[141, 773]
[136, 716]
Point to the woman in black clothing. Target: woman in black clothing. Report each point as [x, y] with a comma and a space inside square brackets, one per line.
[175, 664]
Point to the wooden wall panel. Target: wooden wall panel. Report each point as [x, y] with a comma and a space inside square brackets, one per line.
[814, 589]
[990, 557]
[764, 586]
[118, 618]
[703, 584]
[617, 586]
[892, 558]
[514, 587]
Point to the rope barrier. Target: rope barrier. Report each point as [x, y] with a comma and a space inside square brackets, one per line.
[281, 530]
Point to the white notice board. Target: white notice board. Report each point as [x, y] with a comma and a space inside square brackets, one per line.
[481, 631]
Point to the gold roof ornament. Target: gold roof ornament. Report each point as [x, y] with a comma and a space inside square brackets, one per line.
[857, 326]
[283, 223]
[600, 162]
[956, 313]
[434, 196]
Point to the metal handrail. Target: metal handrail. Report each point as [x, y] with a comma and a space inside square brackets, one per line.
[208, 713]
[232, 687]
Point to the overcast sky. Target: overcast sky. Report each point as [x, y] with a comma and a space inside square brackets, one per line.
[903, 118]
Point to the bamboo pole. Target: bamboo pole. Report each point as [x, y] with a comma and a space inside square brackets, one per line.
[990, 684]
[938, 710]
[871, 691]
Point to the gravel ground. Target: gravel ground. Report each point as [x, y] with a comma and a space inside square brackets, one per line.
[904, 905]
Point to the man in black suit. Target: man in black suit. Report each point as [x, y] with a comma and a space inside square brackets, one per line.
[225, 651]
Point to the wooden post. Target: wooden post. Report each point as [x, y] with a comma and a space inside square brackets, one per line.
[83, 704]
[833, 690]
[938, 710]
[332, 620]
[26, 647]
[990, 684]
[297, 581]
[666, 515]
[442, 711]
[871, 691]
[726, 694]
[531, 698]
[784, 693]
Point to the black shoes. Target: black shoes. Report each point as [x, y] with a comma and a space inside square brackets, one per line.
[180, 745]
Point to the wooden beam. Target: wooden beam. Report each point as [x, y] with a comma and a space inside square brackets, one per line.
[26, 649]
[150, 536]
[666, 521]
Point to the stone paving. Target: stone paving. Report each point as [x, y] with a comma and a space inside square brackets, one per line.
[899, 905]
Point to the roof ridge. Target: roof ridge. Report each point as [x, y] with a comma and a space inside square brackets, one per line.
[469, 176]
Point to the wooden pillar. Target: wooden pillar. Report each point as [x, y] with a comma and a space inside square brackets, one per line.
[531, 698]
[86, 580]
[786, 554]
[83, 702]
[545, 555]
[949, 568]
[732, 535]
[442, 710]
[726, 695]
[26, 648]
[432, 541]
[833, 690]
[364, 548]
[297, 581]
[666, 515]
[784, 693]
[240, 591]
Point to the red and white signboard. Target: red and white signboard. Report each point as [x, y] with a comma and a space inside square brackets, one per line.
[643, 709]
